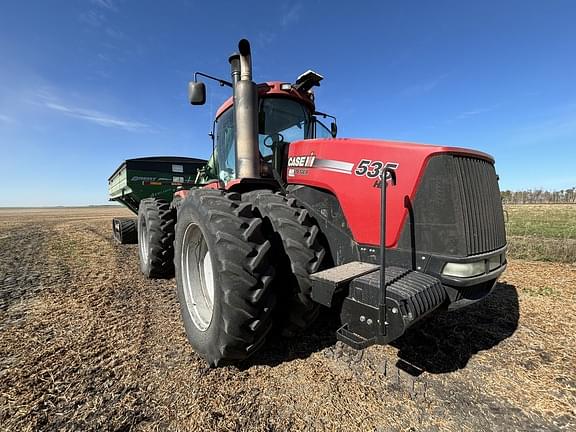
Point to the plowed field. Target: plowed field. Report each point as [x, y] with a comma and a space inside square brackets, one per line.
[87, 343]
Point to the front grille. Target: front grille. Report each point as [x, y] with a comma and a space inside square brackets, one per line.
[457, 209]
[483, 218]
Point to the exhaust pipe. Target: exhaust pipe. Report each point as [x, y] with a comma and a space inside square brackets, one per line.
[245, 60]
[246, 113]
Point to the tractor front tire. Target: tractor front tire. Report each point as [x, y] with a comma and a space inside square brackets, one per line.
[300, 253]
[156, 220]
[223, 276]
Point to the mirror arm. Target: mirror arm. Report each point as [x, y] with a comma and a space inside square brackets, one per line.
[333, 126]
[220, 81]
[324, 115]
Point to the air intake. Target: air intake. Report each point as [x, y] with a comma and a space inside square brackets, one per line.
[457, 210]
[481, 205]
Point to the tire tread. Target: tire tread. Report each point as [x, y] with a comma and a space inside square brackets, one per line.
[243, 263]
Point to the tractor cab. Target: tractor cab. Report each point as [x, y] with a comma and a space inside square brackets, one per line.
[286, 113]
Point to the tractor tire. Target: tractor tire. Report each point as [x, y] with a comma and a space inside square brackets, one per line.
[124, 230]
[300, 252]
[176, 203]
[223, 276]
[156, 220]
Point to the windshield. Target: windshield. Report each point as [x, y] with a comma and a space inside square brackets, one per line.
[320, 130]
[280, 121]
[284, 117]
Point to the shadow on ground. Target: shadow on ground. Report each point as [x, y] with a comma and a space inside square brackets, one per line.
[279, 349]
[447, 341]
[444, 343]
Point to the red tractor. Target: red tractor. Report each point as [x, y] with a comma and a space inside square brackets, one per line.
[287, 217]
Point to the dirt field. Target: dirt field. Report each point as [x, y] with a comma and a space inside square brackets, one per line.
[86, 343]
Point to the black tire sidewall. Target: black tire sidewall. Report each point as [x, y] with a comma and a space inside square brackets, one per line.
[302, 311]
[144, 229]
[159, 221]
[243, 272]
[127, 230]
[203, 342]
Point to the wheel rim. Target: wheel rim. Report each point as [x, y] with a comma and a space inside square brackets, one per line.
[143, 240]
[197, 277]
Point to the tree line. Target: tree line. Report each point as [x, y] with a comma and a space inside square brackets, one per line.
[539, 196]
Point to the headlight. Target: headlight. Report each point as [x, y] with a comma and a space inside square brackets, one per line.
[494, 262]
[464, 270]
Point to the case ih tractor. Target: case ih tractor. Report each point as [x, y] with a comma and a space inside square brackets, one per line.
[285, 218]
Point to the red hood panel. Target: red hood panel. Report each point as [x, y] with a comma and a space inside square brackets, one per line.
[349, 168]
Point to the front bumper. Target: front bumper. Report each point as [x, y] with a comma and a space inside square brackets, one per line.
[461, 291]
[377, 312]
[464, 291]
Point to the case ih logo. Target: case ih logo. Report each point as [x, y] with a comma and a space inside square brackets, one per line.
[373, 169]
[311, 161]
[302, 161]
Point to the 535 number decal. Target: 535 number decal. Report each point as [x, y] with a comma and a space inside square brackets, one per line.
[373, 169]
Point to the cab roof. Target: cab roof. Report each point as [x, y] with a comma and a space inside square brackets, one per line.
[274, 88]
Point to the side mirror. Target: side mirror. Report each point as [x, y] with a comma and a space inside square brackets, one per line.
[333, 129]
[196, 93]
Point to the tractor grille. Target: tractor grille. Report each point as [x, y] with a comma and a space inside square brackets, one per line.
[457, 210]
[481, 205]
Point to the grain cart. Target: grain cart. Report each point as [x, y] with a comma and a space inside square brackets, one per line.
[289, 218]
[146, 186]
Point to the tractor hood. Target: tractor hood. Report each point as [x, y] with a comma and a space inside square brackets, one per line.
[351, 168]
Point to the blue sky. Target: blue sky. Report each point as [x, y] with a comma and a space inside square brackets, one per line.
[86, 84]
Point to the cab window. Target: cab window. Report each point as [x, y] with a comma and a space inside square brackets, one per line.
[281, 119]
[225, 146]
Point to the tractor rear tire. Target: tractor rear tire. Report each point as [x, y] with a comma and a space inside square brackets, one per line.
[300, 252]
[223, 276]
[124, 230]
[156, 220]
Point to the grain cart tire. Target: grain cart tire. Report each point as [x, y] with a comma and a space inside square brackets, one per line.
[156, 220]
[223, 276]
[124, 230]
[302, 253]
[176, 203]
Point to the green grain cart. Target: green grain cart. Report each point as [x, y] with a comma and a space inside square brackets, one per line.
[149, 182]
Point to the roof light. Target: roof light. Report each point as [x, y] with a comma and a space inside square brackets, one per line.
[286, 86]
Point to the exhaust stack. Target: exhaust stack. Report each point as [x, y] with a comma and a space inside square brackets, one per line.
[246, 113]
